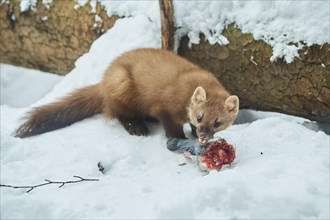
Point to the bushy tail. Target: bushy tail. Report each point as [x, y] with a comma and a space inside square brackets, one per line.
[76, 106]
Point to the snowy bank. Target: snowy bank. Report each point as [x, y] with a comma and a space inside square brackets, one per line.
[281, 170]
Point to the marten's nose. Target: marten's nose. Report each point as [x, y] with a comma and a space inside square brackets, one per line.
[204, 136]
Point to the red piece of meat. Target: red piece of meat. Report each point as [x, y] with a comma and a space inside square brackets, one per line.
[218, 154]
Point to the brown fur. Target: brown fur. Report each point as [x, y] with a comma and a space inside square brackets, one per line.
[78, 105]
[140, 84]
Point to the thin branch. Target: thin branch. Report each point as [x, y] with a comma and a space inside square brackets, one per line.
[49, 182]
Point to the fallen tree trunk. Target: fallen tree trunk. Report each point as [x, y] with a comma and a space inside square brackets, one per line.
[301, 88]
[49, 39]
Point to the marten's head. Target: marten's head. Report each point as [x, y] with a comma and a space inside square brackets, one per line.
[212, 113]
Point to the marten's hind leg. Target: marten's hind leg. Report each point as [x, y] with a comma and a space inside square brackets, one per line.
[134, 126]
[119, 94]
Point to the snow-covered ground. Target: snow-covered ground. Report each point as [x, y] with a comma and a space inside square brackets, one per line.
[21, 87]
[281, 170]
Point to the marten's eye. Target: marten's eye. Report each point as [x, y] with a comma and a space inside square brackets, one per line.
[199, 118]
[217, 124]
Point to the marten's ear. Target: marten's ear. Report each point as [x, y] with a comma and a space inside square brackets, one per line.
[199, 95]
[232, 103]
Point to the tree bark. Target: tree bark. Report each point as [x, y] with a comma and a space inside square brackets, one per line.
[301, 88]
[49, 39]
[167, 22]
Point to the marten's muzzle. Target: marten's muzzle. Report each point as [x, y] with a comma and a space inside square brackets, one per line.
[203, 137]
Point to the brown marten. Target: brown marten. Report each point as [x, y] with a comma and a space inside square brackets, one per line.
[139, 85]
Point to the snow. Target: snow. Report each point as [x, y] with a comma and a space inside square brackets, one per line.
[98, 18]
[27, 5]
[44, 18]
[14, 81]
[278, 23]
[281, 170]
[47, 3]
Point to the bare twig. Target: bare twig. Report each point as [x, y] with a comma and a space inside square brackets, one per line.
[49, 182]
